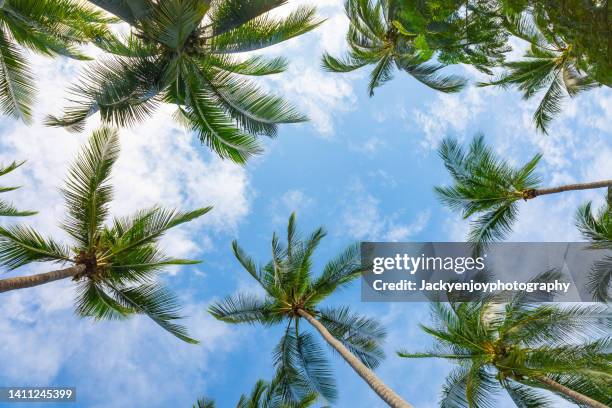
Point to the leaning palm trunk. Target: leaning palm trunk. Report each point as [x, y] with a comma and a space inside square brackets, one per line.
[533, 193]
[380, 388]
[579, 398]
[22, 282]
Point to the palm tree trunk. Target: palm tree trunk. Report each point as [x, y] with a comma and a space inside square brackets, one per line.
[380, 388]
[576, 396]
[22, 282]
[529, 194]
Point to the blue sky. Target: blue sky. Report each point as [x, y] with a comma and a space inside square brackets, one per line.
[363, 167]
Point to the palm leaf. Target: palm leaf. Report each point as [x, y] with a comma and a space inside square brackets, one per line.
[155, 302]
[86, 192]
[20, 246]
[16, 89]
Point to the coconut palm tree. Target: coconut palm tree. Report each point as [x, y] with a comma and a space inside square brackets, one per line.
[7, 209]
[113, 265]
[263, 395]
[597, 228]
[551, 67]
[522, 348]
[48, 27]
[293, 295]
[420, 38]
[376, 38]
[487, 185]
[185, 53]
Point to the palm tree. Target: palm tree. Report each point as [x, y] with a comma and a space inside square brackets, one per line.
[292, 293]
[263, 395]
[378, 36]
[47, 27]
[597, 228]
[7, 209]
[114, 266]
[487, 185]
[551, 67]
[521, 348]
[183, 52]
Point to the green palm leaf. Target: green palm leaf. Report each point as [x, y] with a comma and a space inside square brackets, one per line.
[16, 89]
[87, 193]
[20, 246]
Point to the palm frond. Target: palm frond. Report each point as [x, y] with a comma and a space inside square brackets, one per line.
[337, 273]
[155, 302]
[550, 105]
[252, 66]
[361, 335]
[86, 192]
[227, 15]
[526, 397]
[243, 308]
[316, 370]
[124, 92]
[20, 246]
[16, 81]
[265, 31]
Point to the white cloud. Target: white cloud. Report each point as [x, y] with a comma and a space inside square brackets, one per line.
[294, 200]
[448, 112]
[363, 218]
[41, 337]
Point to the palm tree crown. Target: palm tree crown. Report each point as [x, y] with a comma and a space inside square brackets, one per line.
[551, 67]
[521, 347]
[47, 27]
[263, 395]
[115, 263]
[291, 292]
[487, 185]
[183, 52]
[7, 209]
[409, 35]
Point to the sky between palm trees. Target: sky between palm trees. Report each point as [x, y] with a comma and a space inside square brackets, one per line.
[381, 151]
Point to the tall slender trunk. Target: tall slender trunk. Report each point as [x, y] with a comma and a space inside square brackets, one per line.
[576, 396]
[22, 282]
[529, 194]
[379, 387]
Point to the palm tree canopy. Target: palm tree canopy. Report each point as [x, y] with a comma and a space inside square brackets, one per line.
[420, 38]
[6, 208]
[290, 285]
[487, 185]
[263, 395]
[187, 53]
[507, 346]
[121, 256]
[551, 67]
[48, 27]
[597, 228]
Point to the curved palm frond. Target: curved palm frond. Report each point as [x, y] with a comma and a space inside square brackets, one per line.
[87, 192]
